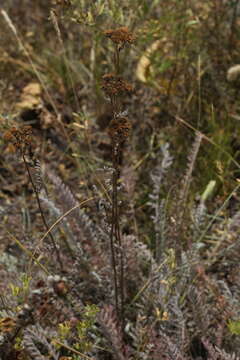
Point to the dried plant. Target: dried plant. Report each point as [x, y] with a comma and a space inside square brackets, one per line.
[22, 141]
[147, 268]
[114, 86]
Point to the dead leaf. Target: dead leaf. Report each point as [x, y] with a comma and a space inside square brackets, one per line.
[144, 62]
[33, 89]
[30, 97]
[7, 324]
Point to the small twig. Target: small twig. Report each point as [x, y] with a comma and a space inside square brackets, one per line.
[73, 350]
[145, 286]
[59, 220]
[205, 137]
[28, 252]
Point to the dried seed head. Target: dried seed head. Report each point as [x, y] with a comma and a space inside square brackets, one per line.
[63, 3]
[120, 36]
[119, 129]
[8, 136]
[21, 138]
[115, 85]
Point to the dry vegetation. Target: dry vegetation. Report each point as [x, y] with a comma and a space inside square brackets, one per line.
[119, 173]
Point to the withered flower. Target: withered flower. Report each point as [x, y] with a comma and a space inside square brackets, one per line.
[115, 85]
[119, 129]
[64, 3]
[20, 138]
[120, 36]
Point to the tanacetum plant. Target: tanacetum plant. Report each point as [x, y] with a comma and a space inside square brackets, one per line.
[119, 128]
[111, 248]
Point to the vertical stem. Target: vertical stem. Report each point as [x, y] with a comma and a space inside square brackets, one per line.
[114, 265]
[116, 162]
[119, 282]
[41, 212]
[119, 240]
[233, 26]
[116, 60]
[115, 235]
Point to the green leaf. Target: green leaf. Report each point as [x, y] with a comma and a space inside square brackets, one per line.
[234, 327]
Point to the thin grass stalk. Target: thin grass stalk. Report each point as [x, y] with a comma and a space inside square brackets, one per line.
[209, 140]
[35, 70]
[54, 19]
[28, 253]
[20, 42]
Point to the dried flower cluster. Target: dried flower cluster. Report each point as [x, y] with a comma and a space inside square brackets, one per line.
[65, 3]
[119, 129]
[20, 138]
[114, 85]
[120, 36]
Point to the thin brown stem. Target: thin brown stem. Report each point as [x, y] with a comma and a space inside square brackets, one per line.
[119, 241]
[41, 212]
[115, 229]
[117, 59]
[113, 255]
[116, 232]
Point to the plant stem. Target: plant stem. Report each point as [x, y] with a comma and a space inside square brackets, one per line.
[113, 255]
[115, 233]
[41, 212]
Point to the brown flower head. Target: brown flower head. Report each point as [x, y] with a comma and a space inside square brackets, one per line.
[119, 129]
[120, 36]
[20, 138]
[64, 3]
[115, 85]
